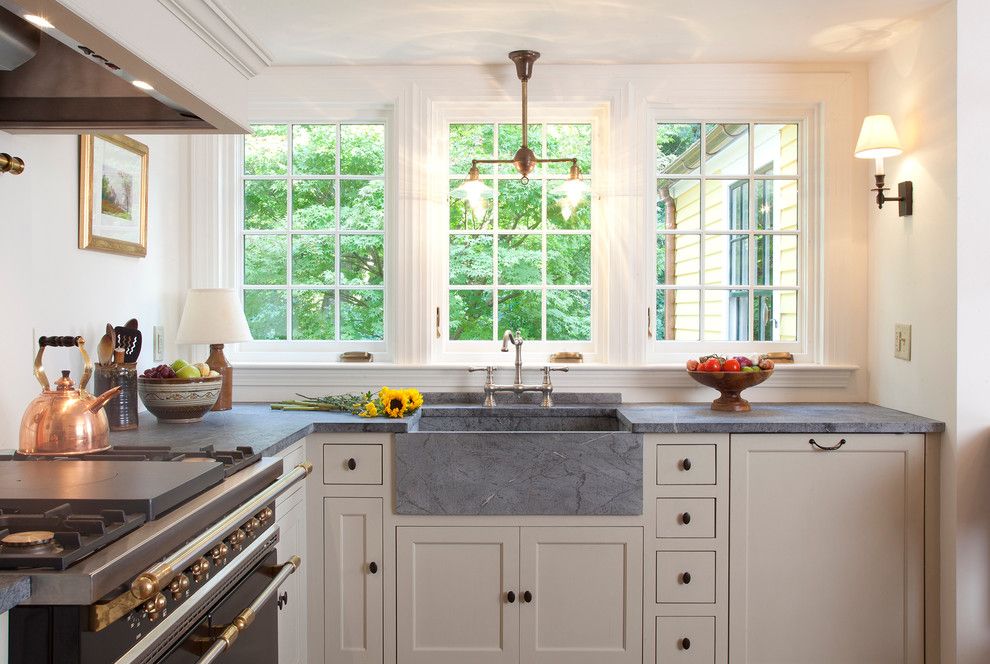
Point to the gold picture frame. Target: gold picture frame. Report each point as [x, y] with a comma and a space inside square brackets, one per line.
[112, 216]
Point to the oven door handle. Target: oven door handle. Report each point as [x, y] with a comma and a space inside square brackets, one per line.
[225, 641]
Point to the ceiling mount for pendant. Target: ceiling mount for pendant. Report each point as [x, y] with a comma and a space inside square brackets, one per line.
[524, 160]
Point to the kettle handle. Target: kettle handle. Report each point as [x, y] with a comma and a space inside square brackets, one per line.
[64, 342]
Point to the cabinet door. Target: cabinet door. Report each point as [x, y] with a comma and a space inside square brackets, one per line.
[827, 549]
[587, 595]
[291, 518]
[452, 603]
[353, 592]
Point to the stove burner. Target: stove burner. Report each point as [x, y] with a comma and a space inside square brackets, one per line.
[28, 538]
[58, 537]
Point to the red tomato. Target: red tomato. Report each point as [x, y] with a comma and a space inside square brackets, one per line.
[731, 365]
[711, 364]
[692, 365]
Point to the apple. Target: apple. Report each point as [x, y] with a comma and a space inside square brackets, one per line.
[204, 369]
[178, 364]
[188, 371]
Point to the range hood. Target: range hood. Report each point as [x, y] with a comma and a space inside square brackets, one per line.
[51, 83]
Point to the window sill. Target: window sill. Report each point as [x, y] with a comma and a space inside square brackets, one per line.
[583, 377]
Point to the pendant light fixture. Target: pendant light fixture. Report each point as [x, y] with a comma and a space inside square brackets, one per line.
[474, 190]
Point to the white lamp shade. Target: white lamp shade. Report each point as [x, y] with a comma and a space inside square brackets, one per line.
[213, 316]
[878, 138]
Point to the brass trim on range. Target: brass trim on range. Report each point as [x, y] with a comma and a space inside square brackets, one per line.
[153, 580]
[229, 634]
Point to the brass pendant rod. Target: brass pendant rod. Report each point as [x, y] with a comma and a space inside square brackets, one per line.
[525, 113]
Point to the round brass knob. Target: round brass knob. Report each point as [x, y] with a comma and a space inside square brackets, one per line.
[219, 552]
[179, 586]
[238, 537]
[200, 568]
[265, 514]
[252, 525]
[155, 606]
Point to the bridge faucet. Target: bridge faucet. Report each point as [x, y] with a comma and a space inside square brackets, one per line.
[518, 387]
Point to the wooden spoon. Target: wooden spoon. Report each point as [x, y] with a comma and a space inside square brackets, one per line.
[113, 336]
[104, 350]
[132, 324]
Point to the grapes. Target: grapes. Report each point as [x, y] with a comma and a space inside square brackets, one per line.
[161, 371]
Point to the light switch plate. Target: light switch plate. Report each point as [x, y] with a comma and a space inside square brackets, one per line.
[902, 341]
[159, 343]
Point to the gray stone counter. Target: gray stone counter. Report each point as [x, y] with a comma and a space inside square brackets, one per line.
[271, 431]
[13, 590]
[774, 418]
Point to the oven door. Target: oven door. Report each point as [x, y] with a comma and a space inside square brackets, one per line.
[256, 643]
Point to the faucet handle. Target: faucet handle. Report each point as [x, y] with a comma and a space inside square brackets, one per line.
[548, 369]
[473, 369]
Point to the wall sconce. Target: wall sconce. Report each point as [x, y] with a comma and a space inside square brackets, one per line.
[12, 165]
[877, 140]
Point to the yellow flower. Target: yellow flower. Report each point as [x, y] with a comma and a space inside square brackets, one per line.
[382, 392]
[394, 402]
[415, 398]
[370, 410]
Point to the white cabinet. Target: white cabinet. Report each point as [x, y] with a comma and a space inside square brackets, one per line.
[452, 593]
[290, 516]
[585, 602]
[827, 549]
[540, 595]
[353, 589]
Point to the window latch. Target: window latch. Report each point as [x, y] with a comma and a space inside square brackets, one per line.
[649, 326]
[438, 323]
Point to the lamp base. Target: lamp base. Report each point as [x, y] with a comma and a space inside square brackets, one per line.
[217, 362]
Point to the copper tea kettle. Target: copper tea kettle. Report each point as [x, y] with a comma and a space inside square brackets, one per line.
[65, 420]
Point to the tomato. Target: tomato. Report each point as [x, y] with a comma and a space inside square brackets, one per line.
[692, 365]
[711, 364]
[766, 365]
[731, 365]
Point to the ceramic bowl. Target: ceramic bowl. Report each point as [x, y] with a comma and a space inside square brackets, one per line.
[179, 399]
[730, 384]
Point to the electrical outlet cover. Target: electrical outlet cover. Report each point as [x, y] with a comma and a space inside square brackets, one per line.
[159, 343]
[902, 341]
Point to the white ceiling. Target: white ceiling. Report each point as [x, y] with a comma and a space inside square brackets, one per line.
[334, 32]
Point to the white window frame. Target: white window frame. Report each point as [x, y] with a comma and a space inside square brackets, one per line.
[535, 351]
[315, 351]
[807, 348]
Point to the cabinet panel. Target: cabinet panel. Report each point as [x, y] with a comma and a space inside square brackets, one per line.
[686, 517]
[586, 585]
[353, 593]
[685, 640]
[827, 549]
[451, 595]
[291, 519]
[685, 464]
[352, 464]
[686, 577]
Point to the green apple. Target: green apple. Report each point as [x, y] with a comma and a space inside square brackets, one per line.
[178, 364]
[187, 371]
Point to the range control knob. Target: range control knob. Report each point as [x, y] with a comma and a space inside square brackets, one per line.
[252, 525]
[237, 538]
[179, 586]
[265, 514]
[155, 607]
[200, 569]
[219, 552]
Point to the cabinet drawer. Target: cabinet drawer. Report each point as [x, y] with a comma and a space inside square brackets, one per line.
[685, 464]
[686, 517]
[352, 464]
[686, 640]
[686, 577]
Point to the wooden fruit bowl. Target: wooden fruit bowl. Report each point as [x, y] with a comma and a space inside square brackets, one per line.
[730, 384]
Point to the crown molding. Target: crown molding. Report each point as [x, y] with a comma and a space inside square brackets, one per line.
[212, 23]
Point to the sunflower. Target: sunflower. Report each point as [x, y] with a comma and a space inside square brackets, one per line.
[394, 402]
[415, 398]
[370, 410]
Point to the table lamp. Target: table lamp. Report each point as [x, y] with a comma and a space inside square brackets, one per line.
[215, 316]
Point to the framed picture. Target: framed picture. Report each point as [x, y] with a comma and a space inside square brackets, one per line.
[113, 194]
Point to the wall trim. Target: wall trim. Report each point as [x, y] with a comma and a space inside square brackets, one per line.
[213, 24]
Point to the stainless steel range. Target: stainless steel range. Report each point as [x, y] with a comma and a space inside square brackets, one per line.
[91, 533]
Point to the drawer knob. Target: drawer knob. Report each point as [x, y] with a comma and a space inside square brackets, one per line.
[373, 567]
[686, 643]
[686, 578]
[527, 597]
[351, 464]
[510, 597]
[686, 464]
[686, 518]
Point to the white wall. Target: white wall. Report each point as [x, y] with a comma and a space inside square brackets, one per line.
[49, 286]
[972, 451]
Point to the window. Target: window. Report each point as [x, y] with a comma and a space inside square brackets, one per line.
[313, 232]
[728, 226]
[522, 258]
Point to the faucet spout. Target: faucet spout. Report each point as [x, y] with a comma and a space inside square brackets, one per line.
[509, 338]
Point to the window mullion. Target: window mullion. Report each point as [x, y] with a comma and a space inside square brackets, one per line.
[289, 182]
